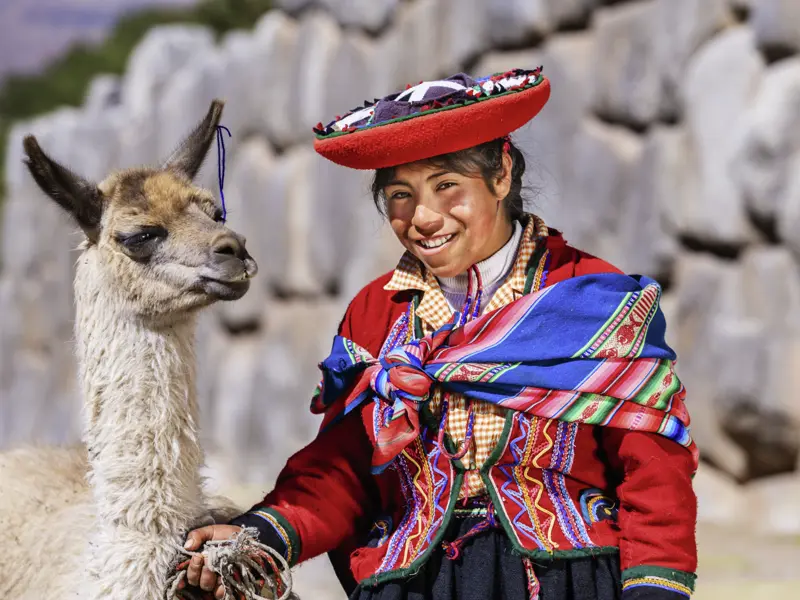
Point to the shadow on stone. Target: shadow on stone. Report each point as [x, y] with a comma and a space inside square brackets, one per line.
[770, 440]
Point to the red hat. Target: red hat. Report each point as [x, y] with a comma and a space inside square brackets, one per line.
[433, 118]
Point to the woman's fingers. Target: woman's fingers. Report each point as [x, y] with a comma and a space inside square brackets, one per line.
[219, 594]
[208, 580]
[198, 537]
[194, 570]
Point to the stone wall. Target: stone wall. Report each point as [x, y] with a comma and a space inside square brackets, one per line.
[671, 146]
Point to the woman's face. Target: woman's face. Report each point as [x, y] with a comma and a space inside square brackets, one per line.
[447, 220]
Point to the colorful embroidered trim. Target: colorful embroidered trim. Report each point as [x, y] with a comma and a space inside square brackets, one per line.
[657, 582]
[285, 536]
[526, 450]
[569, 519]
[681, 578]
[499, 84]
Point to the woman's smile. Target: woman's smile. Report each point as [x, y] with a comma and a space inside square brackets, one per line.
[435, 244]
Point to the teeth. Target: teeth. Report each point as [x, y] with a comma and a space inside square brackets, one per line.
[435, 243]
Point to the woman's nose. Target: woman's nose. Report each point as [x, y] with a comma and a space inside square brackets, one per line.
[427, 221]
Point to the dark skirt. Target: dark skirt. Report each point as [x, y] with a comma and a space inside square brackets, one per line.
[488, 569]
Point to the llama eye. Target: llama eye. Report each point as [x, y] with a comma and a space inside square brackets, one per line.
[219, 216]
[140, 238]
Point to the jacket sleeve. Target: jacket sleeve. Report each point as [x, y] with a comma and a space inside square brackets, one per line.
[323, 495]
[657, 514]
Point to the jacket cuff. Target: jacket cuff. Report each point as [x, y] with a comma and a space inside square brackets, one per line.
[273, 531]
[656, 583]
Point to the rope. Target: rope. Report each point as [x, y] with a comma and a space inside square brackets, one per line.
[245, 567]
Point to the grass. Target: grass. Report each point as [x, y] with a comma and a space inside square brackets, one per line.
[64, 82]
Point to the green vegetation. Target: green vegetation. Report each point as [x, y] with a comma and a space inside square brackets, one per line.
[65, 81]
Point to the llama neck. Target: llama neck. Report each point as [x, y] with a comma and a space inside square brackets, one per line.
[140, 413]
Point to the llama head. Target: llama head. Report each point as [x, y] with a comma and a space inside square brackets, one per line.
[155, 239]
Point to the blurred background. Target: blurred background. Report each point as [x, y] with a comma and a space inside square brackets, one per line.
[671, 147]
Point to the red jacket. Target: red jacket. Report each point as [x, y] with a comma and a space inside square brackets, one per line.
[588, 490]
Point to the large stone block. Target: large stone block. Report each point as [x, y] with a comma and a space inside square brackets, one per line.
[681, 27]
[340, 197]
[371, 15]
[246, 188]
[646, 239]
[771, 291]
[318, 40]
[185, 99]
[669, 160]
[569, 12]
[377, 253]
[715, 106]
[463, 31]
[419, 42]
[788, 212]
[595, 184]
[297, 336]
[626, 82]
[707, 292]
[776, 23]
[163, 52]
[29, 215]
[255, 80]
[512, 22]
[211, 342]
[290, 203]
[272, 67]
[388, 63]
[770, 140]
[547, 140]
[105, 91]
[349, 82]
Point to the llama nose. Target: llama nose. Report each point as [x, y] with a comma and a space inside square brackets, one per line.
[230, 246]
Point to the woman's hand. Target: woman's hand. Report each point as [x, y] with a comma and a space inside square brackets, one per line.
[197, 574]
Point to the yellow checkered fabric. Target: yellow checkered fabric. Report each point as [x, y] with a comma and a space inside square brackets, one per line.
[434, 311]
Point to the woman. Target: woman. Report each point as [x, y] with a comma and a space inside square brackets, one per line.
[502, 419]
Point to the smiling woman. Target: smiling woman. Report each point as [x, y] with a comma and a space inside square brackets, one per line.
[502, 420]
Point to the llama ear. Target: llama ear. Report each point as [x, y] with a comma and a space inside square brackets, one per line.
[79, 197]
[191, 153]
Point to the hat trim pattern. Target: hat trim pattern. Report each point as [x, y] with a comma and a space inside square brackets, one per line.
[474, 94]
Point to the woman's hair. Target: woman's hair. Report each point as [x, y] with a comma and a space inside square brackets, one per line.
[485, 161]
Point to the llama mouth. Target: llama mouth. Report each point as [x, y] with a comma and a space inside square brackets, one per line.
[225, 289]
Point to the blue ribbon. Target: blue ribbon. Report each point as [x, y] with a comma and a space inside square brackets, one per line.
[221, 167]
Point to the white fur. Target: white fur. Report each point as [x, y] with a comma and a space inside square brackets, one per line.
[110, 535]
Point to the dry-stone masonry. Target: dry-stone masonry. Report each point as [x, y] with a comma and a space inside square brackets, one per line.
[671, 146]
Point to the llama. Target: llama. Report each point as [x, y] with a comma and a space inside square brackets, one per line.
[103, 520]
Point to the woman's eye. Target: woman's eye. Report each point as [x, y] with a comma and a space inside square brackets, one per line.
[444, 185]
[399, 196]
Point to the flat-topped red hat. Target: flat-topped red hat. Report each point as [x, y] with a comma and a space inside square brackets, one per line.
[433, 118]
